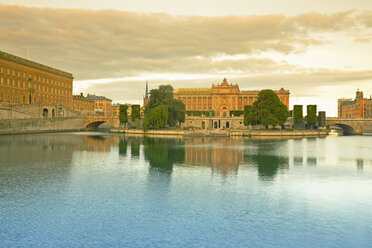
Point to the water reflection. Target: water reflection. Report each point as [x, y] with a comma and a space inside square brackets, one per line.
[222, 155]
[360, 163]
[264, 155]
[162, 154]
[135, 144]
[123, 146]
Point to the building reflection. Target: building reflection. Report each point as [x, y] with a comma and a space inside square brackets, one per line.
[33, 161]
[360, 163]
[98, 143]
[312, 161]
[221, 154]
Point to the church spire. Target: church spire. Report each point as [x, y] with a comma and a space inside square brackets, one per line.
[147, 91]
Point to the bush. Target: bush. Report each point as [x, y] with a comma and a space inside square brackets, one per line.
[208, 113]
[236, 112]
[311, 115]
[123, 114]
[136, 112]
[298, 113]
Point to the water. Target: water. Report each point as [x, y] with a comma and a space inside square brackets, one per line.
[89, 190]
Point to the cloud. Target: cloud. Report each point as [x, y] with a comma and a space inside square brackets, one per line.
[108, 43]
[305, 83]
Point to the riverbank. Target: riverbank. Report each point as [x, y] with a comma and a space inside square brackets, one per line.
[41, 125]
[229, 133]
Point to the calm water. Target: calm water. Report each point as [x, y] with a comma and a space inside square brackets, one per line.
[85, 190]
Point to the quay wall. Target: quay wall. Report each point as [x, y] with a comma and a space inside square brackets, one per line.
[232, 133]
[39, 125]
[280, 133]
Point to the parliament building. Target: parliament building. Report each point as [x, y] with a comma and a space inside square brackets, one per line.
[224, 99]
[220, 106]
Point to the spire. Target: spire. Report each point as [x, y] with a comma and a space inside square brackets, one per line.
[147, 91]
[224, 82]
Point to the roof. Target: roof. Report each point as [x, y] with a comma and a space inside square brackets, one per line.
[94, 97]
[26, 62]
[193, 91]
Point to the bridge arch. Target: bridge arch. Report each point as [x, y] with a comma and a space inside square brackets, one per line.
[96, 124]
[347, 129]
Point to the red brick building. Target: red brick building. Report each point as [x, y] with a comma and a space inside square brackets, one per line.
[356, 108]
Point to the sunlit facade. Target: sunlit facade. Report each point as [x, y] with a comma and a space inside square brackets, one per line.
[23, 81]
[358, 108]
[222, 98]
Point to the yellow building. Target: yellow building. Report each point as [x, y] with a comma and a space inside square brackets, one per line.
[102, 105]
[222, 98]
[115, 109]
[26, 82]
[84, 105]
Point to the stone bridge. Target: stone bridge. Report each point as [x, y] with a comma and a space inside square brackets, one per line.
[92, 122]
[351, 125]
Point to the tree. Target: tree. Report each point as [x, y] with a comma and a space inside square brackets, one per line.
[298, 113]
[136, 112]
[269, 110]
[163, 96]
[236, 112]
[311, 115]
[156, 118]
[123, 114]
[249, 115]
[177, 112]
[208, 113]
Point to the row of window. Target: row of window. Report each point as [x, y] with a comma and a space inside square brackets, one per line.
[27, 99]
[47, 90]
[215, 99]
[34, 78]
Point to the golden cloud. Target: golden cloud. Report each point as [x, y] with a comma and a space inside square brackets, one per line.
[108, 43]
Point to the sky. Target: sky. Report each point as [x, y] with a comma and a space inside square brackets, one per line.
[319, 50]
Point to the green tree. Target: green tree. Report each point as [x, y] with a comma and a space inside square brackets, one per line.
[208, 113]
[311, 115]
[136, 112]
[123, 114]
[249, 115]
[269, 110]
[156, 118]
[177, 112]
[298, 113]
[236, 112]
[154, 113]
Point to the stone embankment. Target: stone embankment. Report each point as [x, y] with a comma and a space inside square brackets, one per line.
[39, 125]
[230, 133]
